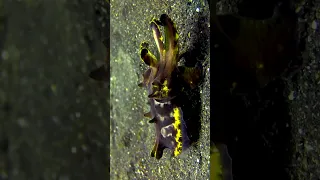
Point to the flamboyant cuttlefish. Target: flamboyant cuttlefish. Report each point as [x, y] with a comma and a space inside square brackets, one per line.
[163, 81]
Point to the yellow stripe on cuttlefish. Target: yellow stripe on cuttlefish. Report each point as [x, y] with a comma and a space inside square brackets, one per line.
[177, 125]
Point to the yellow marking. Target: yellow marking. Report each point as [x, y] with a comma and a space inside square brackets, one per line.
[161, 38]
[165, 89]
[155, 93]
[177, 37]
[176, 125]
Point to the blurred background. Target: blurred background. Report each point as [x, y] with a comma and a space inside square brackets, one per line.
[266, 74]
[54, 118]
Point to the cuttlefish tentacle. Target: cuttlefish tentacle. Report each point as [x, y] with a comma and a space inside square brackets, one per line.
[168, 57]
[157, 150]
[154, 24]
[171, 45]
[146, 56]
[171, 35]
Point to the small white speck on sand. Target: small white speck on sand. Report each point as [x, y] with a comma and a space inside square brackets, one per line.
[308, 147]
[4, 55]
[78, 114]
[22, 122]
[74, 150]
[314, 25]
[291, 96]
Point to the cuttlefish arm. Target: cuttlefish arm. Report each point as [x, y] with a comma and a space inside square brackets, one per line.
[168, 57]
[154, 24]
[171, 44]
[148, 58]
[171, 35]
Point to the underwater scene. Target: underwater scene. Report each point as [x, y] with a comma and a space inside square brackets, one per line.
[160, 92]
[160, 89]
